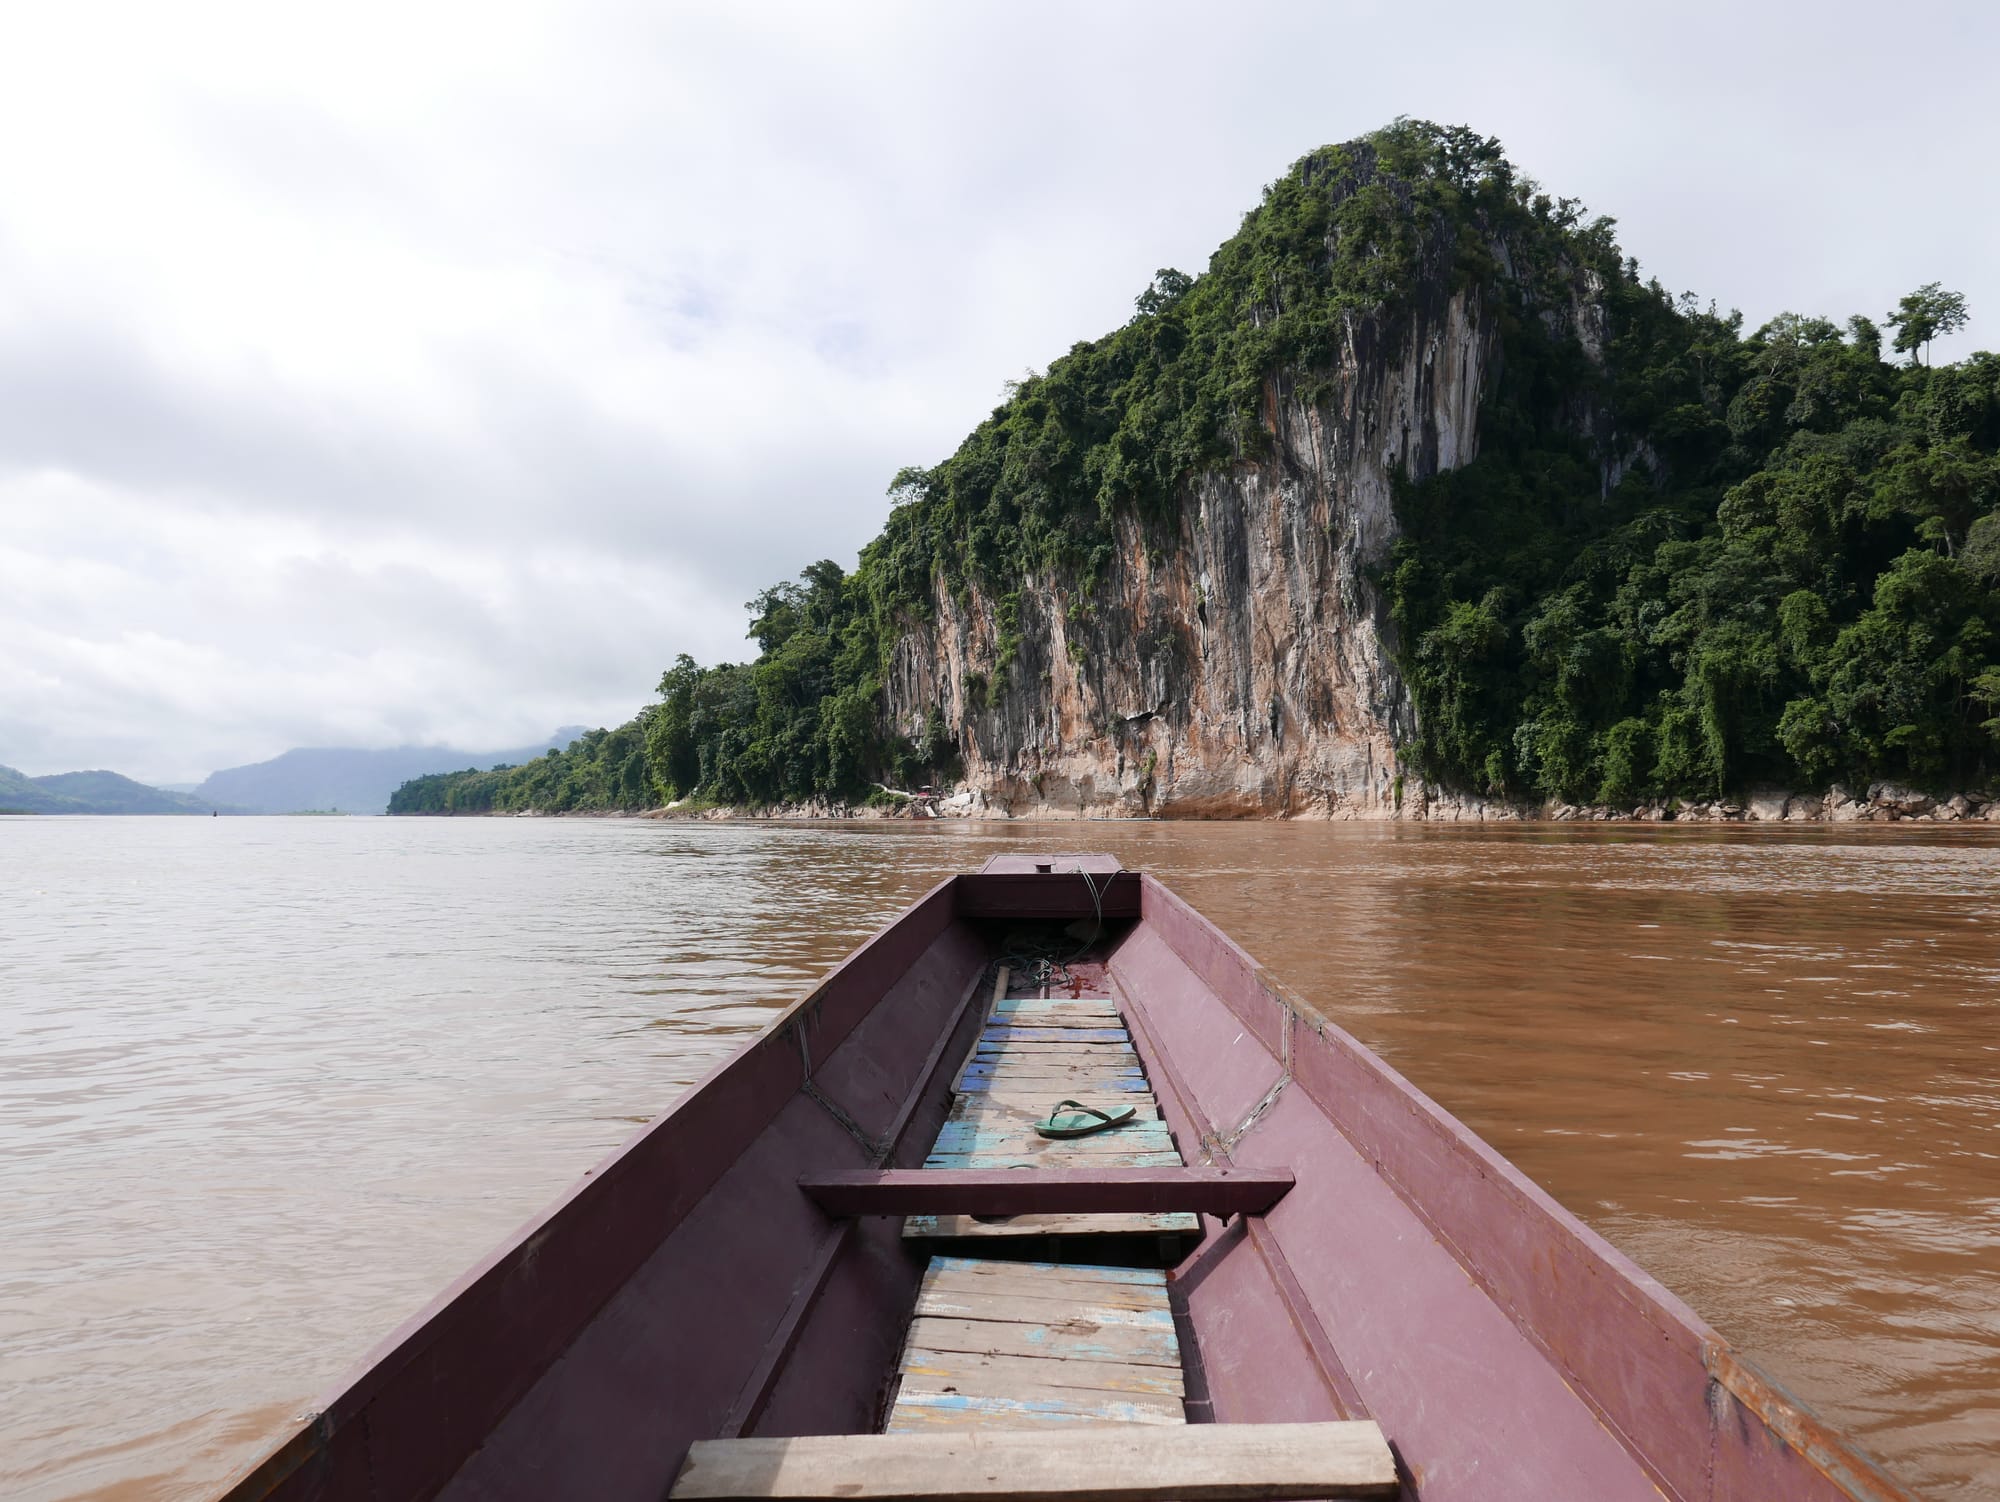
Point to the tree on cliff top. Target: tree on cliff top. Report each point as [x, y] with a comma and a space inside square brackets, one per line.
[1924, 315]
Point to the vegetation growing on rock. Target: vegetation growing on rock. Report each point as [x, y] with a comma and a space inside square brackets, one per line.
[1799, 587]
[1685, 560]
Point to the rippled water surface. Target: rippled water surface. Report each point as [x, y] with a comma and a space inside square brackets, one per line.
[267, 1084]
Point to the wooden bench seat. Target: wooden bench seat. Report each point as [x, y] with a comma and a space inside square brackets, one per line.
[1125, 1463]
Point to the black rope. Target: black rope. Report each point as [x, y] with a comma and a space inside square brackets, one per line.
[1097, 905]
[1045, 961]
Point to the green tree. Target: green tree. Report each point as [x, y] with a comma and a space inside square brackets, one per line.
[1924, 315]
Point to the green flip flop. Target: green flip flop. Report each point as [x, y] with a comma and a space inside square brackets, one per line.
[1083, 1120]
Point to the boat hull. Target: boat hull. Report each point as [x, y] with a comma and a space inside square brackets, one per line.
[689, 1288]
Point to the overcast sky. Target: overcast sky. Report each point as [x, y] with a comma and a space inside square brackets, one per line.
[373, 374]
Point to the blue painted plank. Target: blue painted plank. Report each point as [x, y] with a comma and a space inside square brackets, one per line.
[1064, 1081]
[1072, 1271]
[1058, 1087]
[1107, 1059]
[968, 1136]
[917, 1409]
[1024, 1104]
[1111, 1069]
[1054, 1304]
[1055, 1005]
[998, 1031]
[1042, 1160]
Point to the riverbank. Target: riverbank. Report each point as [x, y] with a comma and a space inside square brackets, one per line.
[1879, 803]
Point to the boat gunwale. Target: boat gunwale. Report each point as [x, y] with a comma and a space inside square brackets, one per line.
[725, 1121]
[347, 1400]
[1729, 1374]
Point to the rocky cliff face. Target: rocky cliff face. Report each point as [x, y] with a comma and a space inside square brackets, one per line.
[1237, 661]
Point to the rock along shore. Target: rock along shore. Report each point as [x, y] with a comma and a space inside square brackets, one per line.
[1879, 803]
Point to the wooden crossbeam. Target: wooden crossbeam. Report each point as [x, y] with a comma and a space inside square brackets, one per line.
[1088, 1463]
[1060, 894]
[1070, 1191]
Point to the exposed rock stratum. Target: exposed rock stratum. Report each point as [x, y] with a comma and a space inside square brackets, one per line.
[1237, 661]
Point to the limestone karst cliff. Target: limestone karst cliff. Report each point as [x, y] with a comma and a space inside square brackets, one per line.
[1419, 501]
[1235, 657]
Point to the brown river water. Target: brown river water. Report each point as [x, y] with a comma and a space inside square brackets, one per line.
[267, 1084]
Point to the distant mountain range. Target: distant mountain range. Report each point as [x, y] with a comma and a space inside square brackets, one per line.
[303, 781]
[93, 793]
[352, 782]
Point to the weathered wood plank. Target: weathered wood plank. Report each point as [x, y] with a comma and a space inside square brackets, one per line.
[1091, 1055]
[1093, 1342]
[996, 1032]
[1020, 1067]
[996, 1136]
[1006, 1103]
[915, 1420]
[977, 1371]
[1014, 1068]
[1027, 1072]
[1134, 1136]
[1042, 1154]
[1092, 1273]
[1016, 1081]
[940, 1404]
[1042, 1160]
[1019, 1114]
[1105, 1295]
[1028, 1309]
[1037, 1006]
[1011, 1103]
[1056, 1153]
[1086, 1462]
[1034, 1008]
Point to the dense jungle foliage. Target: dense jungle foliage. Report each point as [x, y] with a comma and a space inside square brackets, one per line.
[1795, 585]
[1709, 560]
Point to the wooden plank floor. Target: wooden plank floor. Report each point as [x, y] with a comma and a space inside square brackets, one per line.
[1033, 1051]
[1026, 1344]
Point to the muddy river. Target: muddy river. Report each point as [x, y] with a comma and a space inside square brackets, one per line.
[267, 1084]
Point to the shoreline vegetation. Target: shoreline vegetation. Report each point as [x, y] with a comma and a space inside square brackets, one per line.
[1883, 803]
[1685, 564]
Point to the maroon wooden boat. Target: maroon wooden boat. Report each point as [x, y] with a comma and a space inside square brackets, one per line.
[831, 1236]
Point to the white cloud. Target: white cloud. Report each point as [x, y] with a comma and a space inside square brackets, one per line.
[380, 372]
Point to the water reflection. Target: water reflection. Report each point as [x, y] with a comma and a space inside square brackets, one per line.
[265, 1085]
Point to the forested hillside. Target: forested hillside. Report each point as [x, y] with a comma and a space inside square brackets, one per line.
[1800, 588]
[94, 793]
[1687, 559]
